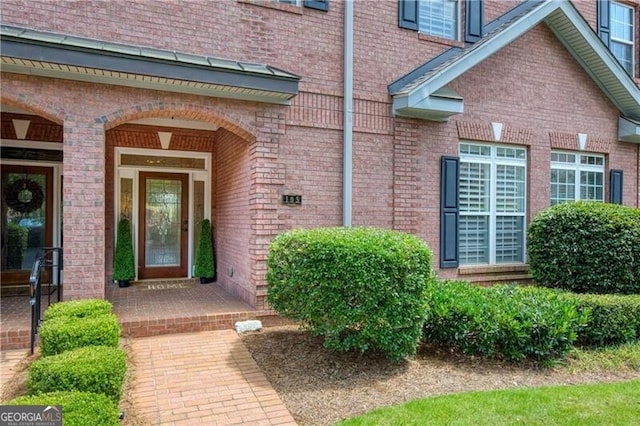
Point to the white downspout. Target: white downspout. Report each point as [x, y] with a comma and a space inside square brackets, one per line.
[347, 184]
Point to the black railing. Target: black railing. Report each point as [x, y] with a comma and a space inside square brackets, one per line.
[46, 270]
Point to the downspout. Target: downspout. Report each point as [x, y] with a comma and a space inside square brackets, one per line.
[347, 170]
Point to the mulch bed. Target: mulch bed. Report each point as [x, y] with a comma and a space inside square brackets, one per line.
[321, 387]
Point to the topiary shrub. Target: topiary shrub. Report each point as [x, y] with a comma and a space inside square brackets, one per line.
[359, 288]
[79, 408]
[124, 268]
[78, 308]
[65, 333]
[204, 264]
[96, 369]
[613, 319]
[504, 321]
[586, 247]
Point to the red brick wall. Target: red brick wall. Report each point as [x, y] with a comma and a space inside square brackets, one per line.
[232, 215]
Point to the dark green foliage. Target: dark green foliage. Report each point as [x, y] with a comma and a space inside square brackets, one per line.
[65, 333]
[359, 288]
[16, 245]
[204, 266]
[586, 247]
[613, 319]
[123, 259]
[79, 408]
[502, 321]
[96, 369]
[78, 308]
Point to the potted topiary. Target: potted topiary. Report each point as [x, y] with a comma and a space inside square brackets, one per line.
[205, 266]
[123, 261]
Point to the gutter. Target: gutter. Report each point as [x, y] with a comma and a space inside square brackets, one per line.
[347, 183]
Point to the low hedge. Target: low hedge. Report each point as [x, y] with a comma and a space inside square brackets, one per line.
[78, 408]
[359, 288]
[503, 321]
[613, 319]
[96, 369]
[65, 333]
[586, 247]
[78, 308]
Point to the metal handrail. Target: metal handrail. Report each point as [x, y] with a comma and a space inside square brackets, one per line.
[48, 257]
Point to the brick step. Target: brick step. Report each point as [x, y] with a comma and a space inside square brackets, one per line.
[19, 339]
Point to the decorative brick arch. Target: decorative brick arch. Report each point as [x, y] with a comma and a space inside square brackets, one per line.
[209, 113]
[30, 104]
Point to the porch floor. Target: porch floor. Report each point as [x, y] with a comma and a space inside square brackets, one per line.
[170, 306]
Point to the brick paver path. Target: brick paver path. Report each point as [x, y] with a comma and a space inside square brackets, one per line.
[205, 378]
[9, 361]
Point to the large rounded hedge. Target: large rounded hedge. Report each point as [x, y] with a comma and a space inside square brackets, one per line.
[586, 247]
[359, 288]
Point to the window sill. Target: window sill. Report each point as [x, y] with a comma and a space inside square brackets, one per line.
[440, 40]
[494, 269]
[269, 4]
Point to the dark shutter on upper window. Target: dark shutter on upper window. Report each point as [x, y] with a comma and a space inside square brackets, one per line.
[603, 21]
[408, 14]
[449, 211]
[615, 186]
[473, 21]
[317, 4]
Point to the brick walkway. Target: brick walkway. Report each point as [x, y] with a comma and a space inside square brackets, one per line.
[9, 361]
[206, 378]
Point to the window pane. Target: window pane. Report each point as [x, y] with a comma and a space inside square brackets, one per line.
[438, 18]
[591, 186]
[472, 149]
[474, 240]
[563, 186]
[511, 153]
[621, 22]
[623, 53]
[475, 183]
[509, 239]
[509, 188]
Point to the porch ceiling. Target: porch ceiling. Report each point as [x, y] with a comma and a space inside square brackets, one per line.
[47, 54]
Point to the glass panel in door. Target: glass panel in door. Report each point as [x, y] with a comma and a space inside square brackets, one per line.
[163, 225]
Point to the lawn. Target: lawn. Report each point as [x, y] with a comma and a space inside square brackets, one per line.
[597, 404]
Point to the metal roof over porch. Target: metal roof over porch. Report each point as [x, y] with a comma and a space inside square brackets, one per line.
[48, 54]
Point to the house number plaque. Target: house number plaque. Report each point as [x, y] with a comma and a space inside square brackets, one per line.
[292, 199]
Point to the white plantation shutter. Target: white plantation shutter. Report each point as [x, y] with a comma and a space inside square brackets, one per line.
[492, 204]
[438, 18]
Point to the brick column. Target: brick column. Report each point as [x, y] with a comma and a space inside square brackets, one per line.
[405, 176]
[83, 208]
[267, 178]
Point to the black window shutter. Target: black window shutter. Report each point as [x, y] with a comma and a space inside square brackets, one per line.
[317, 4]
[615, 186]
[603, 21]
[408, 14]
[473, 21]
[449, 211]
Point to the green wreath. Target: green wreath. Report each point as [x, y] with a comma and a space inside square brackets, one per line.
[24, 195]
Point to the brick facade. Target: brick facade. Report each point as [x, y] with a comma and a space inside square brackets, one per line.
[533, 87]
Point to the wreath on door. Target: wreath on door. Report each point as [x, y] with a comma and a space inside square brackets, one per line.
[24, 195]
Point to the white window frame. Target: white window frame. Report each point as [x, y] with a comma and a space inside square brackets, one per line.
[456, 20]
[291, 2]
[493, 160]
[613, 22]
[577, 167]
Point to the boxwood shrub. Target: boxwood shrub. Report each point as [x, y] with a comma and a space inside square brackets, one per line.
[586, 247]
[64, 333]
[79, 408]
[504, 321]
[78, 308]
[96, 369]
[613, 319]
[359, 288]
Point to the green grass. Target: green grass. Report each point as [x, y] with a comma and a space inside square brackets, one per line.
[600, 404]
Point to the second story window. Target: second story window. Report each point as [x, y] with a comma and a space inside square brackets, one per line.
[438, 18]
[621, 43]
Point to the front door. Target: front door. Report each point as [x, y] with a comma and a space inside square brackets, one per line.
[164, 225]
